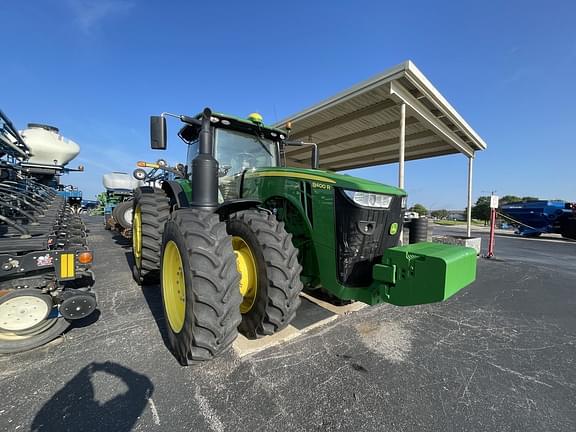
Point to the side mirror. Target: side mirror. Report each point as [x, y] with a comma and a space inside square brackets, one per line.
[158, 132]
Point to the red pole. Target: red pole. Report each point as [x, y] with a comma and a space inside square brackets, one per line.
[492, 227]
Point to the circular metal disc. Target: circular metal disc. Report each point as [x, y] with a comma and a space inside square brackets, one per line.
[78, 306]
[21, 312]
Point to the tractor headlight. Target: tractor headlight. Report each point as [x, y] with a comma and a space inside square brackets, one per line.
[404, 200]
[369, 199]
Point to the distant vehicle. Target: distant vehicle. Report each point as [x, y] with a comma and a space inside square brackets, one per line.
[118, 203]
[119, 195]
[409, 215]
[532, 218]
[456, 215]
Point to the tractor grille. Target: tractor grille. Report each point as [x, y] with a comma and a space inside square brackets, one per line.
[362, 235]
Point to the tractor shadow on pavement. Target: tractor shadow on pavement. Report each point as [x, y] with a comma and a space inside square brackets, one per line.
[76, 406]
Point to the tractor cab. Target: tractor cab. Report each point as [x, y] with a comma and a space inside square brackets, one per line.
[239, 145]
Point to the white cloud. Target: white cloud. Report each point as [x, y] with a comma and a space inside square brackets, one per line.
[89, 14]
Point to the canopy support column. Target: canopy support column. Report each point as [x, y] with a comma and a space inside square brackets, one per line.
[401, 157]
[402, 145]
[469, 207]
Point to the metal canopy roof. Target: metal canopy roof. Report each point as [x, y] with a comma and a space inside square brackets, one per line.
[360, 127]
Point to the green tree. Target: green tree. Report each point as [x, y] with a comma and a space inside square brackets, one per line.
[481, 210]
[420, 209]
[507, 199]
[440, 214]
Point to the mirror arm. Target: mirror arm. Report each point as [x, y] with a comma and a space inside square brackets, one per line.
[190, 120]
[315, 157]
[183, 118]
[315, 161]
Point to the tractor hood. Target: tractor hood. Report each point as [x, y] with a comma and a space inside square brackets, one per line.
[337, 180]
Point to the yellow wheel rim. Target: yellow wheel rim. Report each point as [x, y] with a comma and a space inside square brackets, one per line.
[137, 236]
[173, 286]
[246, 265]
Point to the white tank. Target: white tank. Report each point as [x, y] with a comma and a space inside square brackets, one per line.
[47, 146]
[120, 181]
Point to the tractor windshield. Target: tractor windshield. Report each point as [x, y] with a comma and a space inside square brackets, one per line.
[237, 151]
[240, 151]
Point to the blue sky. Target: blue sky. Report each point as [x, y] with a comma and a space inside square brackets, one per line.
[98, 69]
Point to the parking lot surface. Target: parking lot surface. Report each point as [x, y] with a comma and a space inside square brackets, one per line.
[500, 355]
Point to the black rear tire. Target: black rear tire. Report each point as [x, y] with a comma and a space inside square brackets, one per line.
[107, 223]
[212, 296]
[154, 208]
[122, 214]
[279, 284]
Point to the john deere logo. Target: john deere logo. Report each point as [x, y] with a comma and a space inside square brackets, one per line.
[393, 228]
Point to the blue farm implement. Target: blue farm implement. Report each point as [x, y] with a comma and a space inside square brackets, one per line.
[533, 218]
[45, 260]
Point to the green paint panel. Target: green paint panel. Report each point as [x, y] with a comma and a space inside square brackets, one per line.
[423, 273]
[341, 180]
[186, 186]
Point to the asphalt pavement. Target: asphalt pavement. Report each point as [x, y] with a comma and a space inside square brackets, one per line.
[498, 356]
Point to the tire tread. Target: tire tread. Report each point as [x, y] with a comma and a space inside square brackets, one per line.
[213, 315]
[155, 209]
[283, 273]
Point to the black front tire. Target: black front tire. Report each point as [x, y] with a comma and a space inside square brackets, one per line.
[212, 308]
[279, 284]
[154, 207]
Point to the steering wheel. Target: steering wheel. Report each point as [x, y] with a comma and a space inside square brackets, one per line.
[247, 157]
[223, 170]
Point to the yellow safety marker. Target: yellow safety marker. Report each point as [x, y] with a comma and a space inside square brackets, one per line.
[67, 270]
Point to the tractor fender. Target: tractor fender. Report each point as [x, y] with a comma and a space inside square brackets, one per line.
[178, 198]
[232, 206]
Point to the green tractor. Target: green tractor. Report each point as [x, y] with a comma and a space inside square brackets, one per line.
[239, 235]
